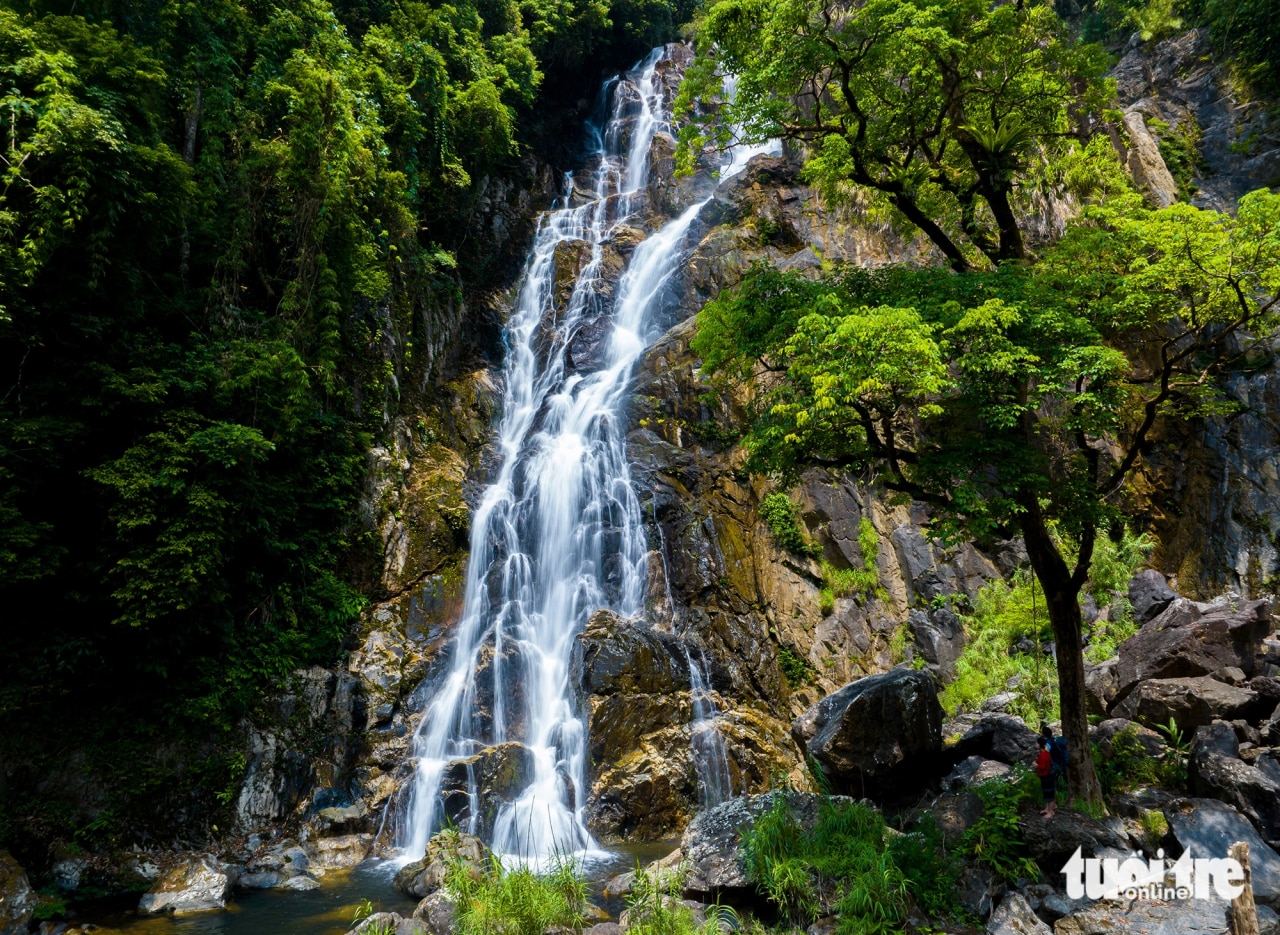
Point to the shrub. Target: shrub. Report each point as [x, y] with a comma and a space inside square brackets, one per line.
[864, 582]
[848, 862]
[994, 838]
[780, 514]
[517, 901]
[654, 907]
[796, 669]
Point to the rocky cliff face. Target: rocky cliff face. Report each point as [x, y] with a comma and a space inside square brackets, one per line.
[722, 592]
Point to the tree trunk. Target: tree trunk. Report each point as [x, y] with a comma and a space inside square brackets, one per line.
[1063, 600]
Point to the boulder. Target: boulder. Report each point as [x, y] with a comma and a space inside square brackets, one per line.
[198, 884]
[871, 732]
[423, 877]
[1187, 640]
[17, 898]
[338, 853]
[1052, 841]
[974, 770]
[1014, 916]
[1215, 770]
[1148, 917]
[386, 923]
[1189, 702]
[435, 914]
[1208, 827]
[1100, 686]
[978, 890]
[1151, 743]
[1149, 595]
[955, 812]
[1002, 737]
[711, 847]
[939, 639]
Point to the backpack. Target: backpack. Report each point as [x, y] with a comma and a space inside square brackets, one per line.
[1058, 751]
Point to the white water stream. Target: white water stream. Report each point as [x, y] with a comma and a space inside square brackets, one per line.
[558, 533]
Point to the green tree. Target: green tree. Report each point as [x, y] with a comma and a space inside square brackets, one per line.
[1020, 399]
[954, 113]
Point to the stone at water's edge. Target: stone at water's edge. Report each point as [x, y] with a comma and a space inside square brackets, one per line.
[17, 899]
[198, 884]
[868, 733]
[424, 877]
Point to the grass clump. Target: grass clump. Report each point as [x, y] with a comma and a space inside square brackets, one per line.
[864, 582]
[654, 907]
[516, 901]
[1125, 764]
[782, 517]
[848, 864]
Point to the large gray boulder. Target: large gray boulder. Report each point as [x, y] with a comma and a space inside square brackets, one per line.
[1149, 595]
[1187, 640]
[1190, 702]
[198, 884]
[711, 845]
[866, 734]
[1052, 841]
[17, 898]
[1216, 771]
[1003, 737]
[1014, 916]
[1148, 917]
[1208, 827]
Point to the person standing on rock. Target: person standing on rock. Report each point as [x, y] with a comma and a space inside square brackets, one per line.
[1048, 781]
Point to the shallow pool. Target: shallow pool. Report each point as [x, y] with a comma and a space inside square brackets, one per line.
[330, 909]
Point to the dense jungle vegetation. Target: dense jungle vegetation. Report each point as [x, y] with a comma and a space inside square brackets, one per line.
[213, 217]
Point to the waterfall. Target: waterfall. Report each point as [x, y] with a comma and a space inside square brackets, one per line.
[558, 533]
[710, 760]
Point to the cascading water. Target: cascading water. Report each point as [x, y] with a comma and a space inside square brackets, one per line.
[558, 533]
[710, 759]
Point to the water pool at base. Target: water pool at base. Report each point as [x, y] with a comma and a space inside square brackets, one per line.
[329, 910]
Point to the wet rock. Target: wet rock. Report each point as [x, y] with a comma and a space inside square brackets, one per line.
[1188, 640]
[1149, 595]
[621, 657]
[338, 853]
[1208, 827]
[17, 898]
[424, 877]
[1014, 916]
[436, 914]
[198, 884]
[1215, 770]
[1190, 702]
[1052, 841]
[868, 733]
[501, 773]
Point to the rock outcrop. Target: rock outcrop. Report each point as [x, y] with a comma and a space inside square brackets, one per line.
[17, 898]
[877, 733]
[1208, 827]
[445, 850]
[1215, 770]
[198, 884]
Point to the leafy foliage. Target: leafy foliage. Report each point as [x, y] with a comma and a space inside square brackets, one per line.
[994, 837]
[781, 515]
[952, 114]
